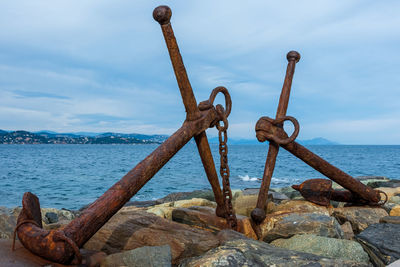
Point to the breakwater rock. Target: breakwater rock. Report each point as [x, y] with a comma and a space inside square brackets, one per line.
[183, 230]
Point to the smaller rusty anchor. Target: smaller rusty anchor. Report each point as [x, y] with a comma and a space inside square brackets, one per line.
[318, 191]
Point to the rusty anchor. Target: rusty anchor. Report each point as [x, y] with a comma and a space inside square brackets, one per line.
[63, 245]
[318, 191]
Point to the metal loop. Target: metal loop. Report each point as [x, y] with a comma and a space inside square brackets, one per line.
[381, 203]
[295, 133]
[228, 100]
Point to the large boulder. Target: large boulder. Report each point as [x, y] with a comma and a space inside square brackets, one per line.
[287, 225]
[390, 219]
[244, 204]
[158, 256]
[382, 242]
[206, 194]
[359, 217]
[130, 229]
[384, 183]
[324, 246]
[8, 221]
[288, 206]
[205, 218]
[242, 252]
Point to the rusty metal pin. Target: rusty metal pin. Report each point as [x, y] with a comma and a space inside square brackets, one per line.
[258, 214]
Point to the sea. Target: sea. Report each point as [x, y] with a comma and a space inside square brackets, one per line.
[72, 176]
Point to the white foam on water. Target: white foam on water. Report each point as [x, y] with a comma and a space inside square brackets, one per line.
[247, 178]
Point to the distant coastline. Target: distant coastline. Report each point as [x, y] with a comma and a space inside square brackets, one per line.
[50, 137]
[45, 137]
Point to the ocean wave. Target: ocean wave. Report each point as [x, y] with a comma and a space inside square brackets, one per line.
[247, 178]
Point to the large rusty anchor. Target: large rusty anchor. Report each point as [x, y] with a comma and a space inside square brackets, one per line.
[63, 245]
[318, 191]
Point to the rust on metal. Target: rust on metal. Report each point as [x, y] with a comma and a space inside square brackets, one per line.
[62, 246]
[318, 191]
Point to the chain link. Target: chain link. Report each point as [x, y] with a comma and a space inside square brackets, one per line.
[224, 169]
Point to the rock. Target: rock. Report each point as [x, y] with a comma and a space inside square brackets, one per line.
[324, 246]
[287, 225]
[347, 231]
[395, 264]
[388, 206]
[206, 194]
[142, 204]
[277, 197]
[381, 241]
[359, 217]
[244, 205]
[8, 221]
[390, 191]
[56, 225]
[371, 177]
[390, 219]
[205, 218]
[229, 235]
[62, 214]
[251, 191]
[50, 217]
[22, 257]
[388, 183]
[395, 199]
[163, 212]
[288, 206]
[194, 202]
[255, 253]
[143, 256]
[289, 192]
[395, 211]
[130, 229]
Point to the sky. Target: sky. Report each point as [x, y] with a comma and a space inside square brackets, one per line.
[102, 66]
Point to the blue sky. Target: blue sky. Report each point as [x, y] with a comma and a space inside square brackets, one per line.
[100, 66]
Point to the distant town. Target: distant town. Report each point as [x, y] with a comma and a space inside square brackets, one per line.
[44, 137]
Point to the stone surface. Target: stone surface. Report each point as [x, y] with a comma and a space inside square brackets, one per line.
[289, 192]
[8, 220]
[395, 199]
[163, 212]
[388, 183]
[395, 211]
[255, 253]
[50, 217]
[22, 257]
[206, 194]
[288, 206]
[390, 219]
[130, 229]
[390, 191]
[371, 178]
[144, 257]
[382, 242]
[359, 217]
[348, 232]
[287, 225]
[205, 218]
[324, 246]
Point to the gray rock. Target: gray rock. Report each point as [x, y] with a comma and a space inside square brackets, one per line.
[251, 191]
[142, 204]
[382, 242]
[255, 253]
[8, 220]
[288, 191]
[372, 177]
[390, 219]
[143, 256]
[389, 183]
[324, 246]
[206, 194]
[50, 217]
[300, 223]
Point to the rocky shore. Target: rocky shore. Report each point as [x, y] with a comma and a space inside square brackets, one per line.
[181, 229]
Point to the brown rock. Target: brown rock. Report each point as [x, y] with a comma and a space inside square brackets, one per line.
[130, 229]
[205, 218]
[359, 217]
[395, 211]
[244, 204]
[347, 231]
[289, 206]
[390, 191]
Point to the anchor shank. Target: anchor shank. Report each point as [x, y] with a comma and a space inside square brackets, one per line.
[334, 173]
[258, 214]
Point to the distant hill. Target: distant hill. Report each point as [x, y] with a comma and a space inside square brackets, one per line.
[318, 141]
[50, 137]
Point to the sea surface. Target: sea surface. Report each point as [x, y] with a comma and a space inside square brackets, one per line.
[71, 176]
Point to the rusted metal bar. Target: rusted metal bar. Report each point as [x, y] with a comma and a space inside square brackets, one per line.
[258, 214]
[162, 15]
[62, 246]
